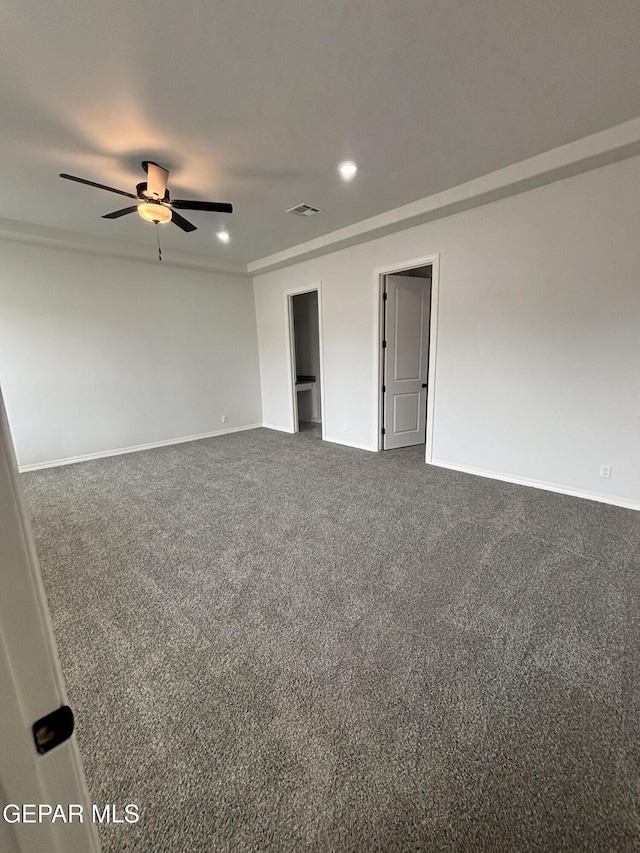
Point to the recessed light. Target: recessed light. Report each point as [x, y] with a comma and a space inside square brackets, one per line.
[348, 169]
[224, 236]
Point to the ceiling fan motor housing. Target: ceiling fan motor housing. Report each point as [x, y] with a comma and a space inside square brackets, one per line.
[141, 190]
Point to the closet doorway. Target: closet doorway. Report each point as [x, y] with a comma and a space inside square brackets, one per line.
[305, 324]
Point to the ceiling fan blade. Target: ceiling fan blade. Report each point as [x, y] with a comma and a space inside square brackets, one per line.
[156, 180]
[213, 206]
[181, 222]
[118, 213]
[99, 186]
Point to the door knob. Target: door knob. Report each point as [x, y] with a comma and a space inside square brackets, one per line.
[424, 384]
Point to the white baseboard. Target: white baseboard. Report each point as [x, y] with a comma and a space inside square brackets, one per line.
[355, 444]
[465, 469]
[278, 428]
[627, 503]
[71, 460]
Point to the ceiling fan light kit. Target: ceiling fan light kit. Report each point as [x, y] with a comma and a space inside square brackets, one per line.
[154, 212]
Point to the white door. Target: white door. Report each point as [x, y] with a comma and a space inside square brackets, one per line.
[406, 360]
[32, 687]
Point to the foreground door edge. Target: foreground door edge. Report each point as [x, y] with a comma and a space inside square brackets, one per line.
[32, 687]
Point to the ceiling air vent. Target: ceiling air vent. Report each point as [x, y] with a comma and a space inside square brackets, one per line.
[304, 209]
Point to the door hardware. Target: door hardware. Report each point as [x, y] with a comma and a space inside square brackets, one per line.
[53, 729]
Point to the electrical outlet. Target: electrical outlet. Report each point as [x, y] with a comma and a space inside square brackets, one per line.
[605, 471]
[224, 419]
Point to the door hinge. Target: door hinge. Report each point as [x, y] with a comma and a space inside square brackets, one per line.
[383, 430]
[384, 343]
[384, 296]
[384, 388]
[53, 729]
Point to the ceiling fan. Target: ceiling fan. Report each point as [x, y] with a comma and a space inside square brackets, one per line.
[154, 202]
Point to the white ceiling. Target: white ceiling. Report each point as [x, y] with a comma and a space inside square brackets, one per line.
[256, 102]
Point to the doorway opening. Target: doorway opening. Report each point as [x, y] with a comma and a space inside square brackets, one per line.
[408, 297]
[305, 325]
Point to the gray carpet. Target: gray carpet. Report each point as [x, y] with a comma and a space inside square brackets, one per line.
[273, 643]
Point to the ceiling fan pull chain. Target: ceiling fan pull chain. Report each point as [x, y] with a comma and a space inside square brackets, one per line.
[158, 236]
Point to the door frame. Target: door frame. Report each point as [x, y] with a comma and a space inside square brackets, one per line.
[379, 274]
[291, 360]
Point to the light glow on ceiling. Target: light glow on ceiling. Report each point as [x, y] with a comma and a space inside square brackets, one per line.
[224, 236]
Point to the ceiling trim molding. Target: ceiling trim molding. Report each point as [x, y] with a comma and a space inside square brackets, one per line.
[24, 232]
[591, 152]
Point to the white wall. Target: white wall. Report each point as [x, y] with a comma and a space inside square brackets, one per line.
[99, 353]
[538, 352]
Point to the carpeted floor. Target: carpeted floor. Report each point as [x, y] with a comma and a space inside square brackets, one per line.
[272, 643]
